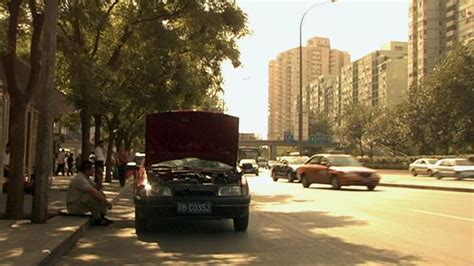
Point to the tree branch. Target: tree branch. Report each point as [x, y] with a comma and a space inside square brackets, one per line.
[101, 27]
[9, 60]
[35, 50]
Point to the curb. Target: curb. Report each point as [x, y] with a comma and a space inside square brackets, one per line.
[454, 189]
[67, 244]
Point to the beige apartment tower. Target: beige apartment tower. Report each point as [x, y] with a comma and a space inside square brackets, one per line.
[283, 84]
[434, 26]
[377, 79]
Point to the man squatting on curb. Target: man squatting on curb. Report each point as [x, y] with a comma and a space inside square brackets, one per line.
[84, 196]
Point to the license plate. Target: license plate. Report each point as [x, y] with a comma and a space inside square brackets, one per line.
[194, 207]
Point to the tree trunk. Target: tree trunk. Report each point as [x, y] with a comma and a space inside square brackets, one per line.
[111, 126]
[14, 207]
[361, 148]
[97, 133]
[44, 147]
[85, 127]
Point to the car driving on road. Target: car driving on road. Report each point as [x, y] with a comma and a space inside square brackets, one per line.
[337, 170]
[248, 166]
[286, 167]
[422, 166]
[455, 167]
[190, 170]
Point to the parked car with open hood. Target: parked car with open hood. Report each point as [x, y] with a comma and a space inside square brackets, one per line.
[455, 167]
[337, 170]
[190, 170]
[422, 166]
[286, 167]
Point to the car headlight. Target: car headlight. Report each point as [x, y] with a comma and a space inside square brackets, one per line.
[230, 191]
[155, 190]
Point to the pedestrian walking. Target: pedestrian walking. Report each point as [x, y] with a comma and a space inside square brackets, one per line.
[70, 164]
[61, 162]
[6, 161]
[83, 196]
[121, 162]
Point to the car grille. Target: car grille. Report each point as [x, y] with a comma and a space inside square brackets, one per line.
[365, 174]
[188, 193]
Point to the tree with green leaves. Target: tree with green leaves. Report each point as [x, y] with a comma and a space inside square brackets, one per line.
[27, 19]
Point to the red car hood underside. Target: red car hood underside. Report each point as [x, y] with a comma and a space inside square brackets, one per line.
[183, 134]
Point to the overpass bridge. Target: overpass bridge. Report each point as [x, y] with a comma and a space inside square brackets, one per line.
[273, 144]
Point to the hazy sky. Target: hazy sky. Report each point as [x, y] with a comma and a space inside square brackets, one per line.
[358, 27]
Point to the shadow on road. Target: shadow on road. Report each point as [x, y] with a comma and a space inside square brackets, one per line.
[274, 237]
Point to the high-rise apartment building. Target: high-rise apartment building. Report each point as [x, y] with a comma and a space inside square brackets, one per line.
[284, 81]
[434, 26]
[377, 79]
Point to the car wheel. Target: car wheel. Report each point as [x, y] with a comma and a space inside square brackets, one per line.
[290, 177]
[305, 182]
[335, 182]
[439, 176]
[274, 176]
[458, 177]
[429, 173]
[241, 223]
[142, 225]
[370, 187]
[413, 172]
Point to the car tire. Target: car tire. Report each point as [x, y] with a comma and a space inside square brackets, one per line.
[413, 172]
[241, 223]
[305, 182]
[142, 225]
[274, 176]
[290, 177]
[371, 187]
[335, 183]
[439, 176]
[429, 173]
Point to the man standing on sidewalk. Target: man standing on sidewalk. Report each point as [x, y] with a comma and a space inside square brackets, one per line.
[99, 163]
[61, 162]
[83, 196]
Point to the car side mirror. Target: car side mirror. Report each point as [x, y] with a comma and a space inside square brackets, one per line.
[325, 164]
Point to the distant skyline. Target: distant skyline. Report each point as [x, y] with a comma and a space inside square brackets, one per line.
[358, 27]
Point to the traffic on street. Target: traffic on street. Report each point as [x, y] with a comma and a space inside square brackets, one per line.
[293, 225]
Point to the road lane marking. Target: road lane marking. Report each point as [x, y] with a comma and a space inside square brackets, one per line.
[445, 215]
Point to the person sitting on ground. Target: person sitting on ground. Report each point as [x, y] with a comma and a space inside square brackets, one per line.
[83, 196]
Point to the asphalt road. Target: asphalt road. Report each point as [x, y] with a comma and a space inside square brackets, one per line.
[292, 225]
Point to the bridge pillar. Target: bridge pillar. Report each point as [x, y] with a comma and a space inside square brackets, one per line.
[273, 151]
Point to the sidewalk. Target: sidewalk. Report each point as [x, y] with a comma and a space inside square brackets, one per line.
[402, 178]
[23, 243]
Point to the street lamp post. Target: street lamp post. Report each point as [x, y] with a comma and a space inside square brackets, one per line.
[300, 122]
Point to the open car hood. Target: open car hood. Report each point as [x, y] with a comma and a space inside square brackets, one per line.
[183, 134]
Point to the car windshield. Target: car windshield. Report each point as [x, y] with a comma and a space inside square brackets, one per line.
[432, 161]
[343, 161]
[297, 159]
[195, 163]
[463, 163]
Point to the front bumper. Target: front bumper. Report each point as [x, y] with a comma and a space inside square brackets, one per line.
[159, 208]
[359, 181]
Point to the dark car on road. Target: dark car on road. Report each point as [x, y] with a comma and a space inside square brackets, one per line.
[248, 166]
[190, 170]
[337, 170]
[286, 167]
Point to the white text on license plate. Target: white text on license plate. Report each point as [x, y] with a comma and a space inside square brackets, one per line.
[194, 207]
